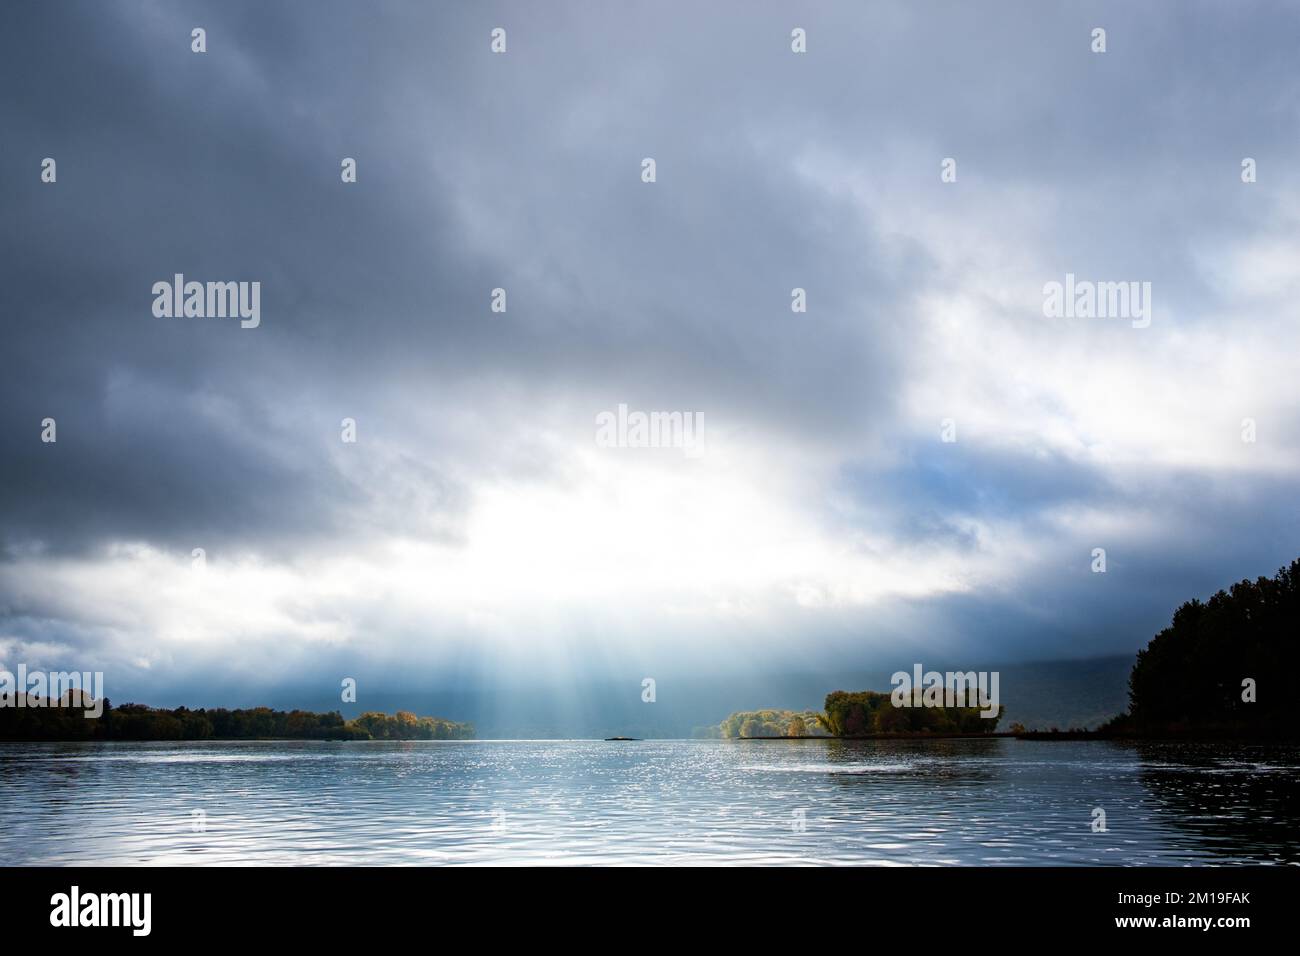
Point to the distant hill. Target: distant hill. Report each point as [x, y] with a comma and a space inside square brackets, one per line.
[1065, 694]
[1075, 693]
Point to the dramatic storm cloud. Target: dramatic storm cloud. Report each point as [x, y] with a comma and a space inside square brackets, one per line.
[476, 533]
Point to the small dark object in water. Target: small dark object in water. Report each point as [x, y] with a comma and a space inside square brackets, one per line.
[622, 738]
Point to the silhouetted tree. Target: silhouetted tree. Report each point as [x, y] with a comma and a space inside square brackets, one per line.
[1198, 674]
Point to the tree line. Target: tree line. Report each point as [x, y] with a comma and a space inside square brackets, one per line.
[1222, 666]
[772, 723]
[139, 722]
[854, 714]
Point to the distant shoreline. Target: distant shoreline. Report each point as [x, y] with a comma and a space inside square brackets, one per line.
[879, 737]
[39, 719]
[1055, 735]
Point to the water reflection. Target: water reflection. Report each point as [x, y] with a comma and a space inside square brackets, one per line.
[997, 802]
[1240, 801]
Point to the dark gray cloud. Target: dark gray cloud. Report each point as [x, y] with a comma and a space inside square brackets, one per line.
[774, 171]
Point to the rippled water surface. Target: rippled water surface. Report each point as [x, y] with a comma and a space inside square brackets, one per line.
[653, 802]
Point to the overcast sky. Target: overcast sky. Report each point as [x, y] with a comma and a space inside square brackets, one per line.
[476, 533]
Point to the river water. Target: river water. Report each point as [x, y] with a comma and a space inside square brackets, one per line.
[957, 802]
